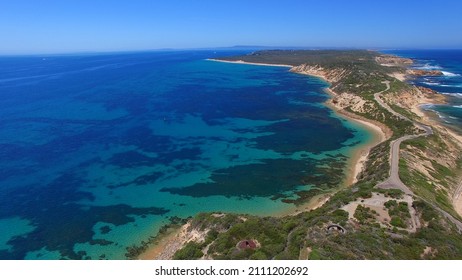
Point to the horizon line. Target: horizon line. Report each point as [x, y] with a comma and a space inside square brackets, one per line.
[236, 47]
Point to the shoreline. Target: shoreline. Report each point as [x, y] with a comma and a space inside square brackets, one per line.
[456, 197]
[426, 118]
[379, 132]
[249, 63]
[165, 244]
[355, 164]
[359, 156]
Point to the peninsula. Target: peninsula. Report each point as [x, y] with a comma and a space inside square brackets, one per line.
[404, 200]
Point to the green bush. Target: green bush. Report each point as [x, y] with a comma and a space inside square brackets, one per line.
[391, 204]
[397, 222]
[192, 251]
[339, 216]
[258, 255]
[363, 214]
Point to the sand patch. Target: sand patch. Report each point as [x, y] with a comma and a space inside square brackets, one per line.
[377, 203]
[399, 76]
[167, 246]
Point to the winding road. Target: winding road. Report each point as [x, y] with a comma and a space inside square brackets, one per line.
[393, 181]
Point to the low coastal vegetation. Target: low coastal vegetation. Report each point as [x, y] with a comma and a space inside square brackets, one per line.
[305, 236]
[361, 221]
[430, 170]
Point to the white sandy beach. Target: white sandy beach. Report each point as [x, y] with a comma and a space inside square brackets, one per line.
[249, 63]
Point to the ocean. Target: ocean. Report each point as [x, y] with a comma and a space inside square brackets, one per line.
[97, 152]
[449, 62]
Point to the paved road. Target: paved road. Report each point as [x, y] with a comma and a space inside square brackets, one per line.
[385, 105]
[393, 181]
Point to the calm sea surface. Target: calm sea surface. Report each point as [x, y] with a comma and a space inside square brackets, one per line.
[98, 151]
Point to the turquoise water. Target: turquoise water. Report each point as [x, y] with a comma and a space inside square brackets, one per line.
[98, 151]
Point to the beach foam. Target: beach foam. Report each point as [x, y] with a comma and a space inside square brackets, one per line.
[456, 94]
[428, 66]
[450, 74]
[432, 83]
[452, 86]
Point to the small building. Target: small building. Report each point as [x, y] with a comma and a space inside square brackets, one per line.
[335, 228]
[246, 244]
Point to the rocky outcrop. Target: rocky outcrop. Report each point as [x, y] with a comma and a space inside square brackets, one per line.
[395, 61]
[348, 100]
[412, 98]
[391, 60]
[331, 75]
[187, 233]
[341, 100]
[417, 72]
[430, 93]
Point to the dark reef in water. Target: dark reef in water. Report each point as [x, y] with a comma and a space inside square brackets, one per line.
[283, 181]
[58, 202]
[90, 143]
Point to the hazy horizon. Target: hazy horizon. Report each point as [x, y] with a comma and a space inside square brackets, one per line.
[237, 48]
[56, 27]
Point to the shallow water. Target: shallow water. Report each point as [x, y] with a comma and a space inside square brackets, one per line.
[98, 151]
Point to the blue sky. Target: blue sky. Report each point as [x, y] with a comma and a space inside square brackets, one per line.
[56, 26]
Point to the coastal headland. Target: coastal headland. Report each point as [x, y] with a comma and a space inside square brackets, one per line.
[420, 219]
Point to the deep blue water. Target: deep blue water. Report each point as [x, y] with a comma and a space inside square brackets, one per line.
[98, 151]
[450, 63]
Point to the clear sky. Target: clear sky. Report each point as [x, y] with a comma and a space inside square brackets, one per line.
[55, 26]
